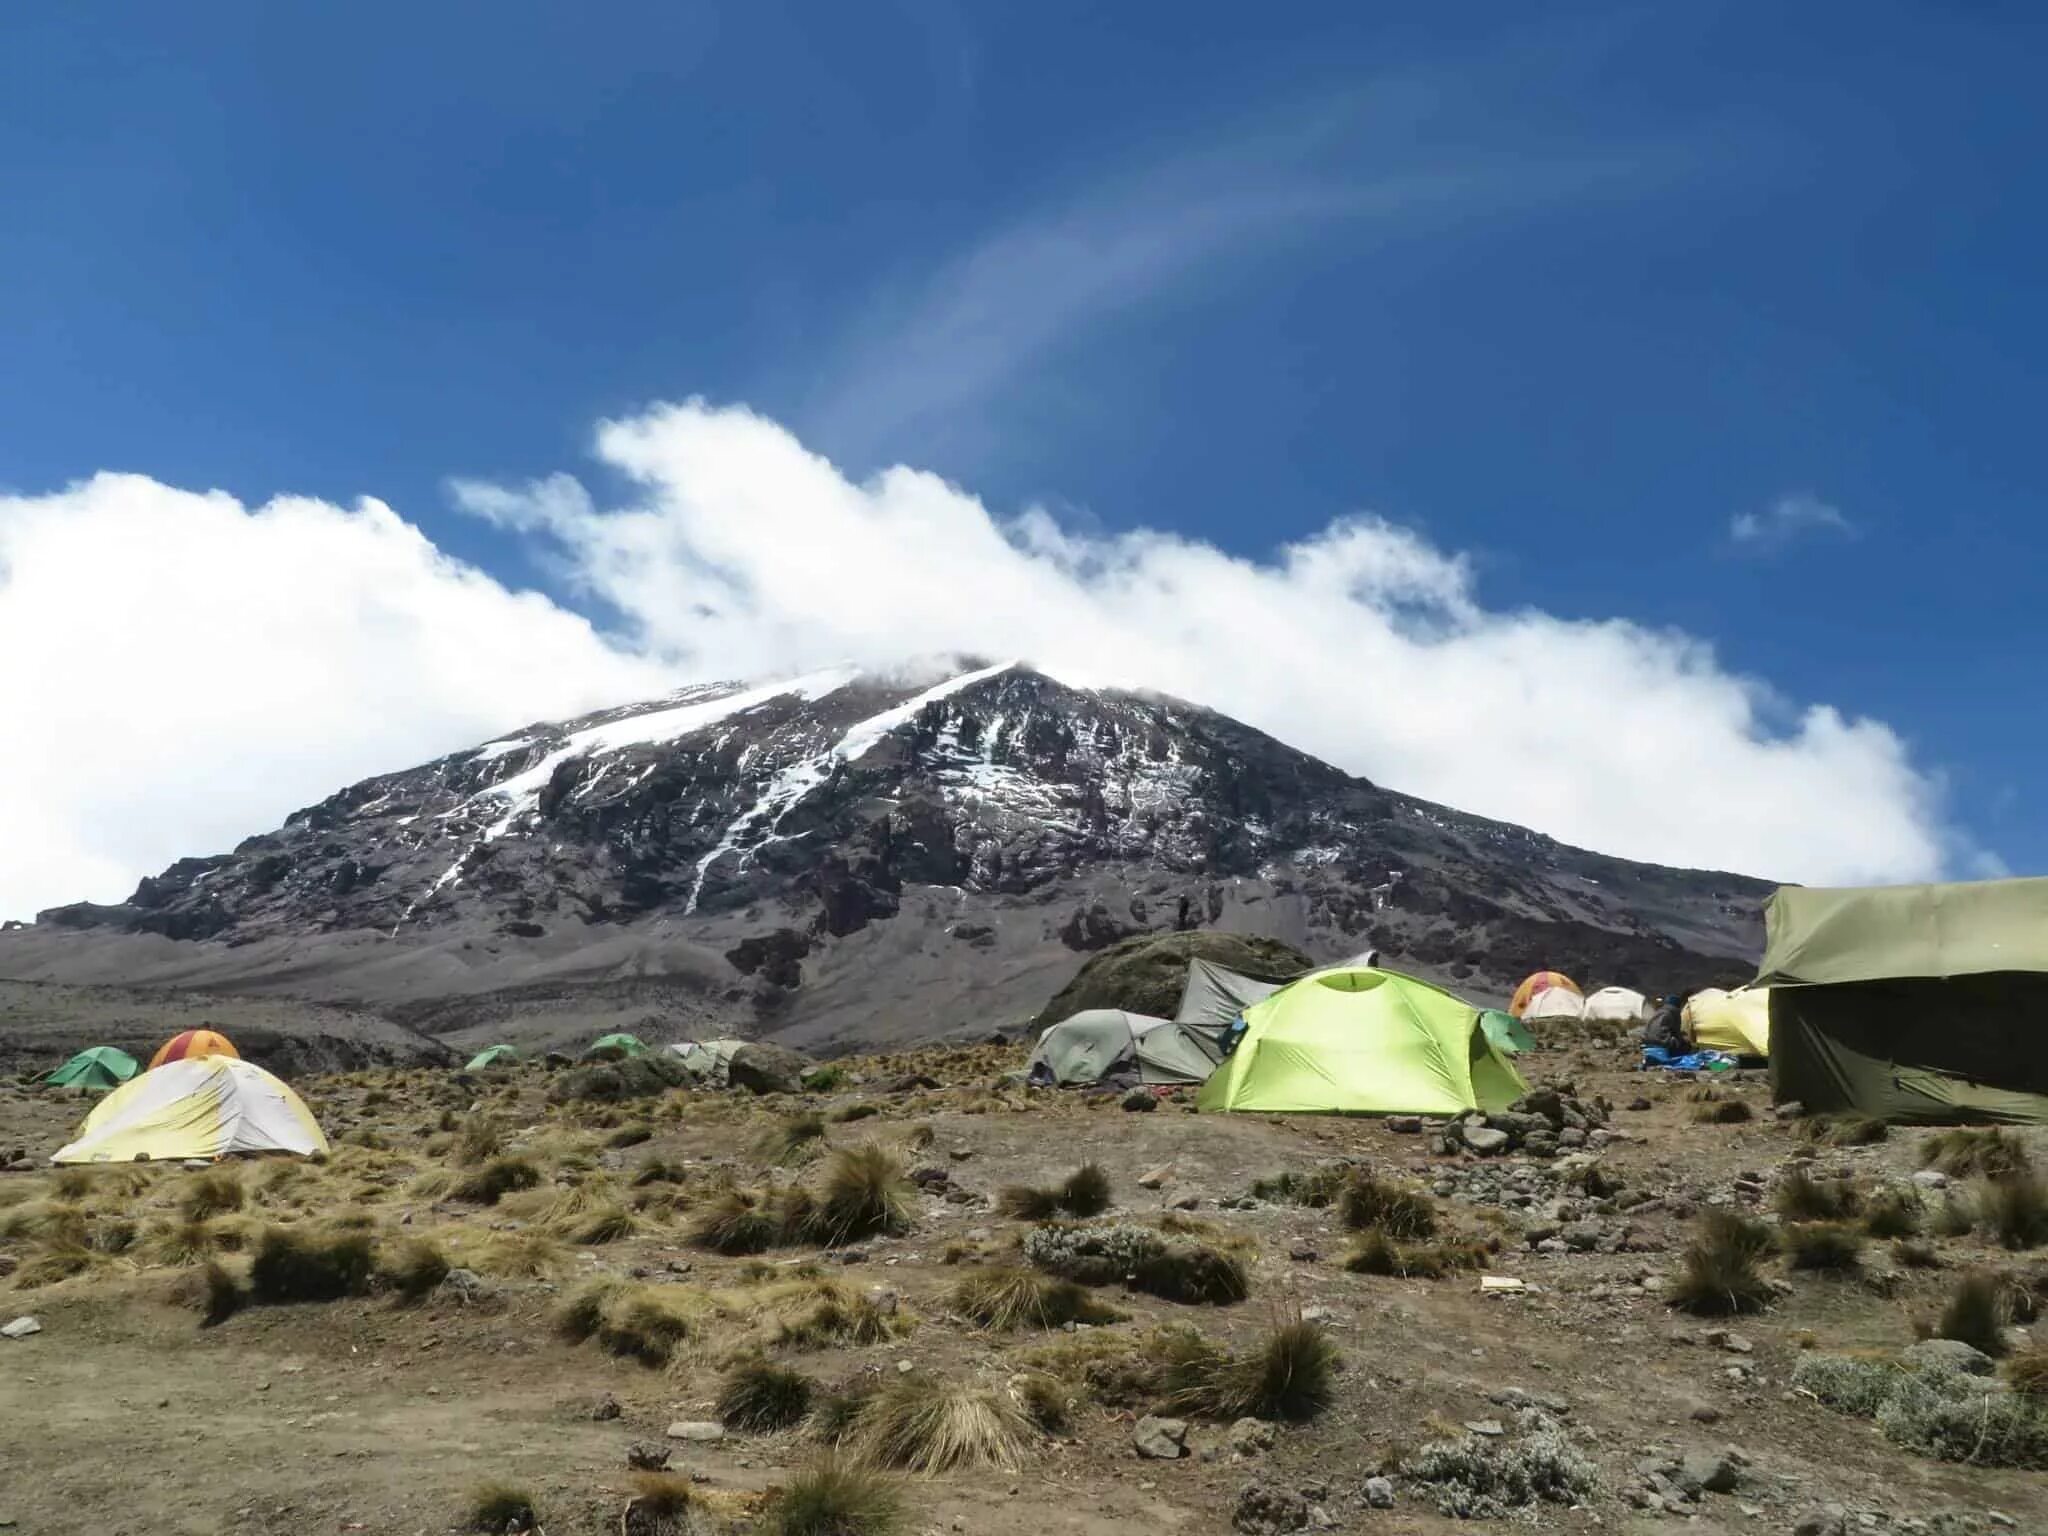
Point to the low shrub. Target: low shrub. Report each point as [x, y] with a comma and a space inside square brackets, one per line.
[1717, 1272]
[1289, 1375]
[1892, 1213]
[1975, 1313]
[2027, 1374]
[499, 1508]
[824, 1079]
[1378, 1254]
[1479, 1478]
[1846, 1130]
[1951, 1418]
[1140, 1258]
[479, 1137]
[1397, 1210]
[1847, 1385]
[1317, 1188]
[417, 1268]
[1087, 1191]
[733, 1223]
[2013, 1207]
[863, 1194]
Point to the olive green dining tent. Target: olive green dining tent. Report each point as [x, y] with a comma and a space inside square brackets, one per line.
[100, 1066]
[1363, 1041]
[1911, 1002]
[491, 1056]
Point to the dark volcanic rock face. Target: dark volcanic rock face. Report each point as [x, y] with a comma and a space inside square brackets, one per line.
[981, 826]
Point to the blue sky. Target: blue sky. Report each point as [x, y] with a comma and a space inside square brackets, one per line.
[1577, 294]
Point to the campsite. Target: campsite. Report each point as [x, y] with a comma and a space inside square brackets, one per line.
[1341, 1252]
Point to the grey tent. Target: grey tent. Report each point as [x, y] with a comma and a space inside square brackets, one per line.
[707, 1061]
[1106, 1042]
[1213, 997]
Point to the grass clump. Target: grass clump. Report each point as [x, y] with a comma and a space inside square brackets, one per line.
[833, 1314]
[758, 1397]
[1964, 1153]
[797, 1139]
[733, 1223]
[630, 1136]
[1846, 1130]
[2027, 1375]
[1723, 1112]
[1378, 1254]
[847, 1114]
[662, 1505]
[1047, 1401]
[1009, 1299]
[920, 1425]
[864, 1194]
[655, 1169]
[834, 1497]
[1290, 1375]
[294, 1264]
[1317, 1188]
[1975, 1314]
[1892, 1213]
[2013, 1208]
[1717, 1275]
[496, 1179]
[633, 1322]
[1397, 1210]
[179, 1244]
[605, 1222]
[1476, 1478]
[1832, 1247]
[479, 1137]
[1801, 1197]
[416, 1269]
[220, 1295]
[824, 1079]
[214, 1193]
[1915, 1255]
[498, 1508]
[1084, 1192]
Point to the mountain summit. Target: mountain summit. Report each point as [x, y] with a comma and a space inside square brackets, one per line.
[849, 858]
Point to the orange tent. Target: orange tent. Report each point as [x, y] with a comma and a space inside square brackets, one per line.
[1542, 981]
[192, 1044]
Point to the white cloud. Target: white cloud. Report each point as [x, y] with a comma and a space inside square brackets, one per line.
[1787, 519]
[183, 670]
[743, 553]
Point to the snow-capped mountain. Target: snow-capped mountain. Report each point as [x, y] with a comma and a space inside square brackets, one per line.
[846, 856]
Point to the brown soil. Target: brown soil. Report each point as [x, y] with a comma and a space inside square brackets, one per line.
[124, 1415]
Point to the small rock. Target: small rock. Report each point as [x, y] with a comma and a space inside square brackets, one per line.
[1949, 1354]
[1379, 1493]
[1583, 1236]
[1791, 1109]
[1931, 1178]
[1486, 1141]
[1715, 1472]
[1155, 1178]
[1267, 1511]
[464, 1284]
[21, 1328]
[1404, 1125]
[1734, 1343]
[1248, 1437]
[1705, 1413]
[1831, 1521]
[1304, 1253]
[1157, 1439]
[959, 1154]
[1487, 1427]
[701, 1431]
[1638, 1105]
[647, 1456]
[605, 1409]
[1188, 1203]
[1140, 1101]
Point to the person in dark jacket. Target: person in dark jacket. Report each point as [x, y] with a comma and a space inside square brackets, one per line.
[1666, 1028]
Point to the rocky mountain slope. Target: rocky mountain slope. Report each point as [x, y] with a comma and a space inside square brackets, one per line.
[846, 858]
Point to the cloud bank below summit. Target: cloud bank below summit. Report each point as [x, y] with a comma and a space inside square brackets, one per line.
[197, 668]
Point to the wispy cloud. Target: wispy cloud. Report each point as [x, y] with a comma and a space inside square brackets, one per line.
[1786, 521]
[959, 335]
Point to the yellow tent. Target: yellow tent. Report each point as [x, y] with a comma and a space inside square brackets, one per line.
[1737, 1022]
[206, 1106]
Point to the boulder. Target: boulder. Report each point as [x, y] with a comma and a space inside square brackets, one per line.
[1249, 1437]
[1157, 1439]
[698, 1431]
[1486, 1141]
[1379, 1493]
[763, 1068]
[1709, 1471]
[21, 1328]
[1949, 1355]
[1146, 973]
[1263, 1510]
[637, 1077]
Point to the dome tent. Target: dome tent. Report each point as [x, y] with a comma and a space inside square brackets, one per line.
[491, 1056]
[1738, 1022]
[1617, 1005]
[1554, 1003]
[1101, 1042]
[202, 1107]
[623, 1044]
[99, 1066]
[1541, 981]
[191, 1045]
[1363, 1042]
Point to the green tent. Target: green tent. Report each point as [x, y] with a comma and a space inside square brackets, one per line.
[1509, 1035]
[491, 1056]
[624, 1045]
[1107, 1042]
[102, 1066]
[1912, 1003]
[1360, 1041]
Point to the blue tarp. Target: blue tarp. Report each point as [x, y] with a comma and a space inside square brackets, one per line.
[1698, 1061]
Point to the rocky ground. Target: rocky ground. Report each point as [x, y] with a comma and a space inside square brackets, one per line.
[574, 1333]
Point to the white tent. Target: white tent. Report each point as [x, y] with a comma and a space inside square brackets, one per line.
[206, 1106]
[1554, 1003]
[1617, 1005]
[1103, 1042]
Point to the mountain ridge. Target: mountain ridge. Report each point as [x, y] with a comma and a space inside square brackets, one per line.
[850, 858]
